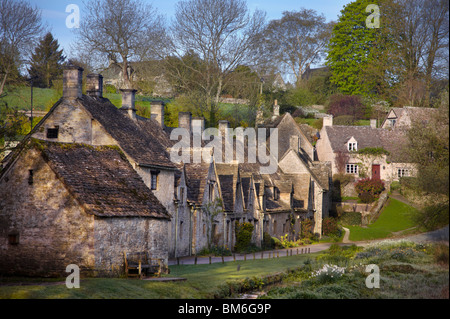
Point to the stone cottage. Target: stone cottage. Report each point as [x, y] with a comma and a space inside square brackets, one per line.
[365, 151]
[88, 183]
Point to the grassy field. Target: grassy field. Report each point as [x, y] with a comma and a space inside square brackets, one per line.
[395, 217]
[203, 281]
[21, 97]
[407, 270]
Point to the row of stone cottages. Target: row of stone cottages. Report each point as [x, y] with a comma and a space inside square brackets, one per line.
[92, 181]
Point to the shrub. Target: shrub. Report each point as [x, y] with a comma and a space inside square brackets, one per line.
[277, 243]
[369, 186]
[346, 120]
[243, 236]
[108, 88]
[307, 229]
[351, 218]
[330, 226]
[268, 242]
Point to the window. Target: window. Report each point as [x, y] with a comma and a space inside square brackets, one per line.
[13, 239]
[352, 146]
[154, 180]
[181, 230]
[276, 193]
[30, 177]
[392, 122]
[351, 168]
[53, 132]
[402, 172]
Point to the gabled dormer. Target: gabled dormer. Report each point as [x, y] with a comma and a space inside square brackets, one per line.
[352, 145]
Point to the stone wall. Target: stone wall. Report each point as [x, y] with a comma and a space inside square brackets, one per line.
[53, 231]
[114, 236]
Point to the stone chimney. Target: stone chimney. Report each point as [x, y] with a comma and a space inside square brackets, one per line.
[72, 82]
[128, 100]
[223, 125]
[276, 108]
[157, 112]
[373, 123]
[198, 122]
[328, 121]
[94, 85]
[294, 143]
[184, 120]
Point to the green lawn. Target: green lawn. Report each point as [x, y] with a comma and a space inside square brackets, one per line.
[203, 281]
[396, 216]
[20, 98]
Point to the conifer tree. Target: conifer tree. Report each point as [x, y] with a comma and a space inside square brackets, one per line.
[46, 62]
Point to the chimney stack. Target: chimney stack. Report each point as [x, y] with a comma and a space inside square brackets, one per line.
[328, 121]
[373, 123]
[276, 108]
[223, 125]
[94, 85]
[72, 81]
[198, 122]
[128, 100]
[157, 112]
[184, 120]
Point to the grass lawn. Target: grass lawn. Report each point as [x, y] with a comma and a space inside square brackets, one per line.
[20, 98]
[203, 281]
[395, 216]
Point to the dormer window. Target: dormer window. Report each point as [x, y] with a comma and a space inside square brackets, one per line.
[53, 132]
[352, 146]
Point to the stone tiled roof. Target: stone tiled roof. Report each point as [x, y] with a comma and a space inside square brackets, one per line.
[102, 180]
[143, 140]
[196, 175]
[393, 141]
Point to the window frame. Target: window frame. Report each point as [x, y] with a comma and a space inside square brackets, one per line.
[354, 169]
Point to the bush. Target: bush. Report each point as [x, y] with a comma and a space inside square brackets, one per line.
[346, 120]
[268, 242]
[307, 229]
[330, 226]
[243, 236]
[369, 189]
[108, 88]
[277, 243]
[351, 218]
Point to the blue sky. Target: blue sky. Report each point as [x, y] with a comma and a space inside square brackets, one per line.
[54, 12]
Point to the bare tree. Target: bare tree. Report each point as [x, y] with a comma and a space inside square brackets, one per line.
[221, 33]
[296, 41]
[122, 29]
[20, 27]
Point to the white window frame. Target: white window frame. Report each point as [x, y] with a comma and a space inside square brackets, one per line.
[352, 146]
[351, 169]
[403, 172]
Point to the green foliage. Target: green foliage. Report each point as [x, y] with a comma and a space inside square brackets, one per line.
[46, 62]
[244, 233]
[109, 88]
[300, 97]
[349, 50]
[350, 219]
[433, 216]
[268, 242]
[215, 251]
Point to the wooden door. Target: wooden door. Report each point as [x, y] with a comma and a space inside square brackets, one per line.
[376, 172]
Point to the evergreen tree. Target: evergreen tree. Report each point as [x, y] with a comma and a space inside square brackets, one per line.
[350, 48]
[46, 62]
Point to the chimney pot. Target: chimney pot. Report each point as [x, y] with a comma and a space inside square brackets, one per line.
[72, 82]
[198, 122]
[94, 85]
[128, 99]
[276, 109]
